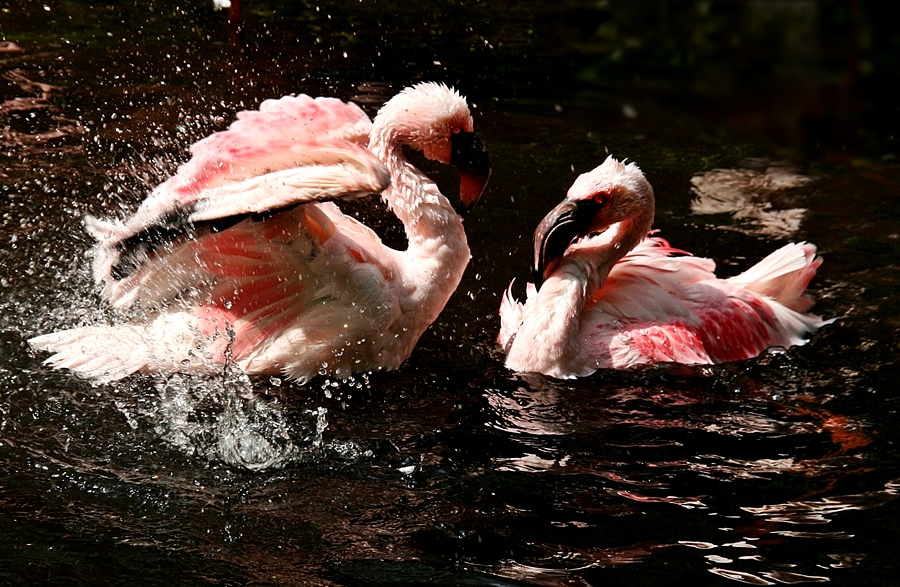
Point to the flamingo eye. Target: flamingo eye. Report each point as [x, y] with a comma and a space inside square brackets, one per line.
[456, 130]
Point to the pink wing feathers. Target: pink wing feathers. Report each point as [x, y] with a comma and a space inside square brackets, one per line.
[265, 275]
[783, 275]
[658, 308]
[300, 279]
[280, 135]
[291, 151]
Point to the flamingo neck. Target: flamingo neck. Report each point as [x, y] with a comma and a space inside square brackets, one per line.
[412, 196]
[438, 251]
[549, 339]
[426, 214]
[597, 255]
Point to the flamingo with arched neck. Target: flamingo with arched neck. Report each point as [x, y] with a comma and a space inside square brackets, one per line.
[241, 258]
[608, 296]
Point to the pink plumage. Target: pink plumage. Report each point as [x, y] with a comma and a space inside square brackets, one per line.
[240, 257]
[611, 297]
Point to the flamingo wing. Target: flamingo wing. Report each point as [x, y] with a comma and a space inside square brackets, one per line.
[280, 135]
[291, 294]
[296, 281]
[783, 275]
[659, 308]
[322, 172]
[643, 314]
[292, 151]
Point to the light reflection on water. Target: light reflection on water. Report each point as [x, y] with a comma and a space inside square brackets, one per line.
[534, 416]
[818, 511]
[750, 197]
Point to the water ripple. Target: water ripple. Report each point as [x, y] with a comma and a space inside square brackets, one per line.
[816, 512]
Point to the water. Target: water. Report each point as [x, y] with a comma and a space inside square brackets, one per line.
[453, 471]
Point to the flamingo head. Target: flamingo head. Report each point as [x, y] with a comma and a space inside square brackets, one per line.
[435, 119]
[609, 194]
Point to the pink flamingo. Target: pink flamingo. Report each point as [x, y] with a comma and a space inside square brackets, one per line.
[240, 257]
[607, 296]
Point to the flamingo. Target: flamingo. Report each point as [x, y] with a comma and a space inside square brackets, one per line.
[242, 258]
[608, 296]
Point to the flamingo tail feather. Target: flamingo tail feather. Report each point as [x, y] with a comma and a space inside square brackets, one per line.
[783, 275]
[104, 353]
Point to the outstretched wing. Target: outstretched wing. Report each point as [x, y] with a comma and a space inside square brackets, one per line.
[291, 151]
[298, 280]
[301, 290]
[291, 132]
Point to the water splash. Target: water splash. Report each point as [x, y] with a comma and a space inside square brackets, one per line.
[225, 420]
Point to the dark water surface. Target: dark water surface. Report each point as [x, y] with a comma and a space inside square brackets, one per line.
[757, 123]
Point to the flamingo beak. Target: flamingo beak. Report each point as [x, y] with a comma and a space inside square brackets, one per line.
[568, 221]
[471, 160]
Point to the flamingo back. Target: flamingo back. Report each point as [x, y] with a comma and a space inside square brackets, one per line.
[656, 307]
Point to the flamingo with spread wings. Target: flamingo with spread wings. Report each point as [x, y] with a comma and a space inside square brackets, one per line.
[607, 296]
[241, 256]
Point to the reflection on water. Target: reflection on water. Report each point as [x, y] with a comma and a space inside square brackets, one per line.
[779, 576]
[750, 197]
[634, 449]
[528, 412]
[30, 123]
[817, 511]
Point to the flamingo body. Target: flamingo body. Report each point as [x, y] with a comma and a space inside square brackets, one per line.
[614, 299]
[241, 258]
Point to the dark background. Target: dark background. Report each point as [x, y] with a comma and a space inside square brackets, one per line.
[451, 470]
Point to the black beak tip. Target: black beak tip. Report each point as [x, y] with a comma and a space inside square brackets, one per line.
[537, 276]
[463, 209]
